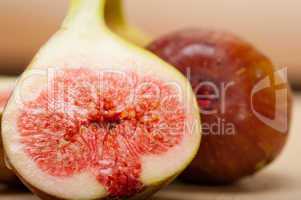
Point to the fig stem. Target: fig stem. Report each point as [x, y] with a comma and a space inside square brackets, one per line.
[114, 13]
[116, 20]
[101, 16]
[86, 16]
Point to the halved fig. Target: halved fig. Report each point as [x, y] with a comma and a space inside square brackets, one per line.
[95, 117]
[6, 87]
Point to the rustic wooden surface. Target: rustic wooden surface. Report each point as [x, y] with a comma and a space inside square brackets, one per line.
[282, 180]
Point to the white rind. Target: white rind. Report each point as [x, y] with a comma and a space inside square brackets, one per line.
[159, 168]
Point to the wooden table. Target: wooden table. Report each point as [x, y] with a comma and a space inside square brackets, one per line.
[280, 181]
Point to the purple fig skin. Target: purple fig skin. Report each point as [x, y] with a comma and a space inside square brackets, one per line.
[235, 143]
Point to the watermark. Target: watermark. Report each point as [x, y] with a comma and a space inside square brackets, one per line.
[213, 96]
[280, 120]
[105, 98]
[219, 127]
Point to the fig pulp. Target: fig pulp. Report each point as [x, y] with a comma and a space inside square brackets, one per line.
[104, 130]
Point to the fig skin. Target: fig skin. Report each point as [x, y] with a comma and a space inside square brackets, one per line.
[222, 59]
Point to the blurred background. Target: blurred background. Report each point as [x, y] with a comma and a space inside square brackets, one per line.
[273, 26]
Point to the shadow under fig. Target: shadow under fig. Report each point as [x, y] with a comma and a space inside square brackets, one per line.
[261, 183]
[258, 184]
[13, 189]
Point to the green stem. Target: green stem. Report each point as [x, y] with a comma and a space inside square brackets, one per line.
[115, 20]
[98, 16]
[86, 15]
[114, 13]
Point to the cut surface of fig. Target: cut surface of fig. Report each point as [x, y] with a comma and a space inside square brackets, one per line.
[101, 124]
[94, 117]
